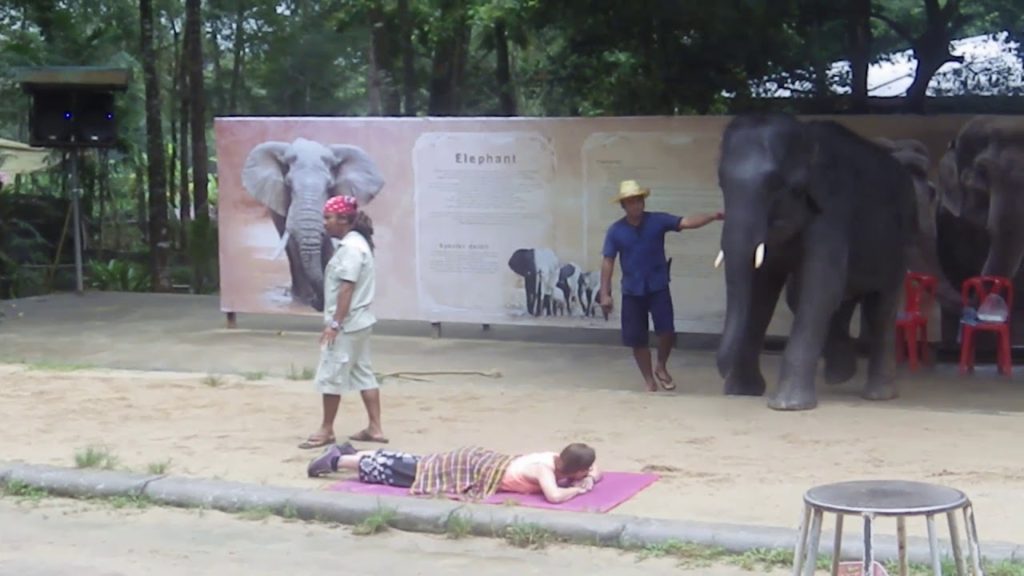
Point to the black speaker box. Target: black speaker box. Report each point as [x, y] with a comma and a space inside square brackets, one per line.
[63, 117]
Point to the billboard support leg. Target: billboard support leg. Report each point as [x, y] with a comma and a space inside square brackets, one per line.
[232, 323]
[437, 329]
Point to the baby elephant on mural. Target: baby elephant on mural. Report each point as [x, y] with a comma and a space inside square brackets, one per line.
[828, 212]
[294, 180]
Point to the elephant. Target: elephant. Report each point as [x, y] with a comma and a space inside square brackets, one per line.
[539, 268]
[294, 180]
[569, 278]
[828, 214]
[981, 207]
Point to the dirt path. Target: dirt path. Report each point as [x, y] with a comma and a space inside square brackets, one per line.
[722, 459]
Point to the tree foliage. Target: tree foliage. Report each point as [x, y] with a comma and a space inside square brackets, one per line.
[201, 60]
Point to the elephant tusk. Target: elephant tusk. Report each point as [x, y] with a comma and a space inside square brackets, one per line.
[759, 255]
[281, 246]
[719, 259]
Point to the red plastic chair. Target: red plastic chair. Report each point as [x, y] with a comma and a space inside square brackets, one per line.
[912, 324]
[981, 287]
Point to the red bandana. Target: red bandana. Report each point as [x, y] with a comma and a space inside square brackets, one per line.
[341, 205]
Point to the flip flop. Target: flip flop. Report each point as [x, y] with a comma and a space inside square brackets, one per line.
[315, 442]
[666, 383]
[364, 436]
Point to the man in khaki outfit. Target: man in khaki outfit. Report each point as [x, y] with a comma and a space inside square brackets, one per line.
[345, 343]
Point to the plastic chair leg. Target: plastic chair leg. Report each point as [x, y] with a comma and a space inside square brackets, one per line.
[911, 348]
[1005, 360]
[922, 339]
[966, 350]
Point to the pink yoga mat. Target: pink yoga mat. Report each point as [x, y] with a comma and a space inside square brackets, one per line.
[613, 489]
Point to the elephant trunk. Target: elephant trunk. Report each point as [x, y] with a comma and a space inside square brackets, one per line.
[306, 226]
[740, 246]
[1006, 234]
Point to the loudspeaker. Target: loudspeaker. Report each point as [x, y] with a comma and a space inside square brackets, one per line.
[63, 117]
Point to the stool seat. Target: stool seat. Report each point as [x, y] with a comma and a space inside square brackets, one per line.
[899, 499]
[885, 498]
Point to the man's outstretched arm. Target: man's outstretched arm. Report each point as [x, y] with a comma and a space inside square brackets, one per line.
[698, 220]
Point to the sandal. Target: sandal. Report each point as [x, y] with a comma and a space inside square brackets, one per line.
[665, 380]
[364, 436]
[316, 442]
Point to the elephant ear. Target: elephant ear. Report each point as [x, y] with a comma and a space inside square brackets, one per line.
[356, 174]
[263, 175]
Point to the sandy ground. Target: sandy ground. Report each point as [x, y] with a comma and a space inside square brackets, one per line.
[722, 459]
[56, 537]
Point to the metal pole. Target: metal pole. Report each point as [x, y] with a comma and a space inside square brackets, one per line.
[75, 193]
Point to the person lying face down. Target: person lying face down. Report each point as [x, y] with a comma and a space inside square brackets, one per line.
[472, 472]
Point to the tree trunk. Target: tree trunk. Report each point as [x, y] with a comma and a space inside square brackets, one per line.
[172, 162]
[859, 47]
[237, 57]
[193, 23]
[217, 99]
[506, 92]
[155, 151]
[446, 65]
[408, 59]
[373, 83]
[184, 195]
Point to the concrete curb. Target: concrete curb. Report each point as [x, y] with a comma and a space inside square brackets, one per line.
[432, 515]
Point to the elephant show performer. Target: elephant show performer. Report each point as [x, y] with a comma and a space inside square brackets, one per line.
[638, 239]
[345, 342]
[471, 472]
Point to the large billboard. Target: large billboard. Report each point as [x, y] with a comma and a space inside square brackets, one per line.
[481, 219]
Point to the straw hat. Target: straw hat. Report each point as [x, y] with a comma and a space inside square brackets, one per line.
[629, 189]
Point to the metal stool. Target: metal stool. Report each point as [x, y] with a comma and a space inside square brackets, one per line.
[886, 498]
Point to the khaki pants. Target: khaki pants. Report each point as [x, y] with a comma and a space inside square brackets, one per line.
[345, 366]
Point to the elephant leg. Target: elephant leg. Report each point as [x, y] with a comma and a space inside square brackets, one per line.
[326, 252]
[824, 269]
[298, 278]
[880, 313]
[530, 285]
[745, 378]
[840, 348]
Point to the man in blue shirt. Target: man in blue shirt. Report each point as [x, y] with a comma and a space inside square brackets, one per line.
[639, 240]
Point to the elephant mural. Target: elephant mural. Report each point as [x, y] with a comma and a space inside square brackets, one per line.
[828, 214]
[539, 268]
[980, 217]
[294, 180]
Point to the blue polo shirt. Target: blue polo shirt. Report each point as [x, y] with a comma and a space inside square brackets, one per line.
[641, 251]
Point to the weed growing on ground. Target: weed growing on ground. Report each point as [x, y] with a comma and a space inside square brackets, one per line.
[123, 502]
[158, 467]
[256, 514]
[213, 381]
[305, 374]
[528, 536]
[254, 375]
[22, 490]
[457, 526]
[95, 457]
[378, 522]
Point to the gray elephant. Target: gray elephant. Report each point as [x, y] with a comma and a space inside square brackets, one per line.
[829, 214]
[294, 180]
[980, 219]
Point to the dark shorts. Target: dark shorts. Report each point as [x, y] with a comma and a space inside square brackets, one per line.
[635, 312]
[389, 468]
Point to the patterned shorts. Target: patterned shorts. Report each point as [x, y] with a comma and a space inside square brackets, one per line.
[389, 468]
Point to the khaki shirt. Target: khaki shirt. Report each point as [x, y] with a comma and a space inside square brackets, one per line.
[352, 262]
